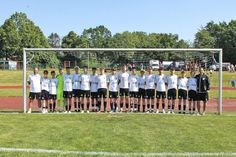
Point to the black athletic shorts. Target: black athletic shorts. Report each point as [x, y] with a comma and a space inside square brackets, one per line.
[160, 95]
[171, 94]
[124, 92]
[192, 95]
[85, 93]
[150, 93]
[182, 94]
[102, 92]
[76, 93]
[52, 96]
[33, 96]
[133, 94]
[113, 94]
[142, 93]
[67, 94]
[94, 95]
[44, 95]
[202, 96]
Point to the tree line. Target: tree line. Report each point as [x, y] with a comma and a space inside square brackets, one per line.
[19, 31]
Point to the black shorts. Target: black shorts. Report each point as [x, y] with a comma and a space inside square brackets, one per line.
[171, 94]
[160, 95]
[76, 93]
[150, 93]
[133, 94]
[192, 95]
[202, 96]
[142, 93]
[113, 94]
[94, 95]
[44, 95]
[124, 92]
[182, 94]
[85, 93]
[102, 92]
[53, 96]
[33, 96]
[67, 94]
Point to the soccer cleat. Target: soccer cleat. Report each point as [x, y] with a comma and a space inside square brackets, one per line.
[82, 111]
[163, 111]
[69, 112]
[147, 111]
[65, 112]
[168, 112]
[29, 111]
[88, 111]
[157, 111]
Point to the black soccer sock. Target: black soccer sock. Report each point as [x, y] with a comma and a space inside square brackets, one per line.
[163, 106]
[99, 105]
[69, 107]
[66, 107]
[105, 106]
[111, 106]
[79, 106]
[157, 104]
[138, 107]
[87, 106]
[82, 106]
[152, 107]
[54, 106]
[179, 107]
[50, 106]
[127, 106]
[75, 106]
[148, 106]
[115, 106]
[184, 108]
[143, 108]
[121, 105]
[135, 106]
[173, 107]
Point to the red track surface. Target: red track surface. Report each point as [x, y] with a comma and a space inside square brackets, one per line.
[16, 103]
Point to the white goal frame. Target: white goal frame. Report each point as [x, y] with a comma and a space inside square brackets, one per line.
[219, 51]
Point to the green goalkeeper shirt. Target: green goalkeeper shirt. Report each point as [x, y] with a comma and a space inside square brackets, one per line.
[60, 82]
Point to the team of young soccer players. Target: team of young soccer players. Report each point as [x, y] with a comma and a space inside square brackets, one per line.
[101, 92]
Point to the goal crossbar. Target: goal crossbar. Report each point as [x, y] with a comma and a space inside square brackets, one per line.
[219, 51]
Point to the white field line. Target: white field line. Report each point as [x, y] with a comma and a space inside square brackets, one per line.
[33, 150]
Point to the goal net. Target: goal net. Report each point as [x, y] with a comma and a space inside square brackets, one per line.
[180, 59]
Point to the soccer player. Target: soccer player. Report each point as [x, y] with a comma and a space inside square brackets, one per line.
[192, 92]
[124, 88]
[60, 88]
[102, 89]
[85, 89]
[94, 89]
[35, 88]
[172, 81]
[53, 91]
[142, 91]
[203, 87]
[133, 90]
[45, 91]
[67, 94]
[76, 89]
[182, 91]
[113, 90]
[150, 86]
[160, 90]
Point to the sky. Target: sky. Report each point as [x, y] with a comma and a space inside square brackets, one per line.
[182, 17]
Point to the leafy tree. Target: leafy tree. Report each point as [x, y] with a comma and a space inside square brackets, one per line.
[54, 40]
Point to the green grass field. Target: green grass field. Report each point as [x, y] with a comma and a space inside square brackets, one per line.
[117, 133]
[13, 78]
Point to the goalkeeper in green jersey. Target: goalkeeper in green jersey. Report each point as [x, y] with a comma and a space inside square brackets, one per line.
[60, 99]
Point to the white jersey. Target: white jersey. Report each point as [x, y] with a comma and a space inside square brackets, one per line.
[172, 81]
[150, 81]
[133, 83]
[76, 81]
[124, 80]
[102, 81]
[141, 82]
[85, 82]
[113, 83]
[183, 83]
[192, 84]
[68, 82]
[53, 86]
[35, 83]
[94, 83]
[45, 83]
[161, 83]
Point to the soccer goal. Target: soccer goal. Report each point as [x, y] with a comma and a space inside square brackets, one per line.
[186, 59]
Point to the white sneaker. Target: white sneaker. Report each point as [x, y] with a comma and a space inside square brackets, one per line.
[69, 112]
[65, 112]
[88, 111]
[46, 110]
[121, 110]
[168, 112]
[163, 111]
[172, 112]
[148, 111]
[157, 111]
[29, 111]
[82, 111]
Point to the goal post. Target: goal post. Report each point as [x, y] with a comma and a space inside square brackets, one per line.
[215, 51]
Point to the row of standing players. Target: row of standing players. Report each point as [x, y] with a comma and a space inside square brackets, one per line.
[142, 93]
